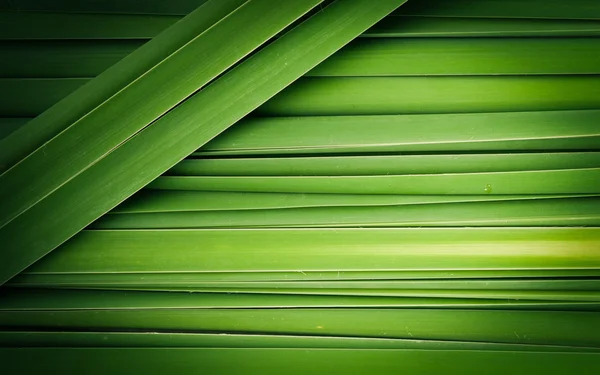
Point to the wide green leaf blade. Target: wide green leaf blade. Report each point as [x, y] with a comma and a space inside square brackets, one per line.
[574, 9]
[458, 296]
[569, 328]
[326, 250]
[178, 7]
[543, 131]
[463, 56]
[18, 301]
[505, 284]
[337, 96]
[529, 213]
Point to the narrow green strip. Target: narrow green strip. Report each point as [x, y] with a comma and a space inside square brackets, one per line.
[382, 165]
[295, 361]
[22, 97]
[564, 181]
[203, 340]
[299, 250]
[528, 213]
[178, 7]
[147, 201]
[474, 296]
[574, 9]
[92, 280]
[9, 125]
[54, 300]
[406, 95]
[435, 27]
[463, 56]
[551, 130]
[62, 59]
[30, 25]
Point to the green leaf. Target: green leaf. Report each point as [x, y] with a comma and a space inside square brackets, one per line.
[179, 7]
[45, 303]
[405, 95]
[295, 361]
[541, 131]
[148, 200]
[574, 9]
[436, 285]
[18, 25]
[482, 289]
[62, 59]
[167, 279]
[384, 165]
[204, 340]
[567, 328]
[562, 181]
[301, 250]
[528, 213]
[434, 27]
[9, 125]
[17, 99]
[462, 56]
[475, 298]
